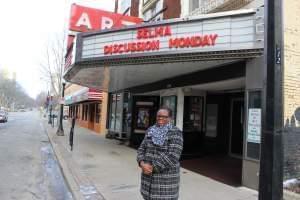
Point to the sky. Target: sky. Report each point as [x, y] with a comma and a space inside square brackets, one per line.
[25, 29]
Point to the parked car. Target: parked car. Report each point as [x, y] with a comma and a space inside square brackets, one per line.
[3, 116]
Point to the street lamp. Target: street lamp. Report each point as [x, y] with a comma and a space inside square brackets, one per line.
[60, 130]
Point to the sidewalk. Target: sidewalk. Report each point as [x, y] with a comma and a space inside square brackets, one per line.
[100, 168]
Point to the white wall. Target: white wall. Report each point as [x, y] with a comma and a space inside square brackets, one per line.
[180, 108]
[254, 81]
[254, 73]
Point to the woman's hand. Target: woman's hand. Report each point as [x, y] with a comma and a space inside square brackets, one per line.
[146, 168]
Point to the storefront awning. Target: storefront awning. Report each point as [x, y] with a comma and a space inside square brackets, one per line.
[121, 58]
[85, 94]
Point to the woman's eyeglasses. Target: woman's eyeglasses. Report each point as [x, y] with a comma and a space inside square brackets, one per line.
[162, 116]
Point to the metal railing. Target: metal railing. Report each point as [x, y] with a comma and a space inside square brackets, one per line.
[211, 6]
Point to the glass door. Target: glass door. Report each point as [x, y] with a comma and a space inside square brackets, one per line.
[193, 112]
[237, 128]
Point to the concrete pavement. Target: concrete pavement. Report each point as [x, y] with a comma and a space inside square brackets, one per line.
[28, 168]
[100, 168]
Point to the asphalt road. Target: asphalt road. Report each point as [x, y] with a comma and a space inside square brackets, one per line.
[28, 168]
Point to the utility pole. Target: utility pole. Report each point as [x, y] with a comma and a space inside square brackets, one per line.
[50, 109]
[60, 130]
[271, 163]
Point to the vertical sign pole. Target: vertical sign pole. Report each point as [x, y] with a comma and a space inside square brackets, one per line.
[271, 163]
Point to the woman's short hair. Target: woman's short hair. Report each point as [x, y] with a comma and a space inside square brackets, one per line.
[170, 113]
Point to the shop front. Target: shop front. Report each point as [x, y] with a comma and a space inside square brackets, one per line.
[86, 106]
[207, 69]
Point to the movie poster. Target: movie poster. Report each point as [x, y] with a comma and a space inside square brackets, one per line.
[143, 118]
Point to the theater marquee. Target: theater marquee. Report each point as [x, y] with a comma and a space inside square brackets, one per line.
[152, 41]
[237, 34]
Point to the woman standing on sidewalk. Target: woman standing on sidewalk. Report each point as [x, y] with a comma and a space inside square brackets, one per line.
[158, 157]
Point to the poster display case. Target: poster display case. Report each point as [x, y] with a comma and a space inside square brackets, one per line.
[193, 114]
[170, 102]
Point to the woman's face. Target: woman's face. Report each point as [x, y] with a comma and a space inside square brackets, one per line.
[162, 117]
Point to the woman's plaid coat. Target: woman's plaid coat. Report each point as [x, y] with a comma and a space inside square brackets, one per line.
[163, 184]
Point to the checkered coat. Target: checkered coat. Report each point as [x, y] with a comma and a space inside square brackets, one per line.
[163, 184]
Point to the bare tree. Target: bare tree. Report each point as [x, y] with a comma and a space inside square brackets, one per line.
[13, 94]
[41, 98]
[52, 66]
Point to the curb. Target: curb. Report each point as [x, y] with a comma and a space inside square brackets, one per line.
[70, 180]
[287, 195]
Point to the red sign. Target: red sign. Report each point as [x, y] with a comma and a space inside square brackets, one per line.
[152, 44]
[85, 19]
[132, 47]
[161, 31]
[194, 41]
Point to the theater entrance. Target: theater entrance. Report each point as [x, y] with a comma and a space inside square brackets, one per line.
[220, 146]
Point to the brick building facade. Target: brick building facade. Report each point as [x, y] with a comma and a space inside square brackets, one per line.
[291, 89]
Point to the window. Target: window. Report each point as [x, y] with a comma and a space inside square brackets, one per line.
[119, 115]
[126, 114]
[86, 112]
[77, 111]
[82, 112]
[112, 112]
[193, 114]
[194, 4]
[119, 111]
[211, 120]
[98, 112]
[70, 111]
[124, 5]
[116, 110]
[153, 10]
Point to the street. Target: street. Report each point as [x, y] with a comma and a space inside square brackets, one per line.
[28, 166]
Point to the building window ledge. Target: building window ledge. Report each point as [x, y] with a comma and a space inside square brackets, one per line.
[214, 6]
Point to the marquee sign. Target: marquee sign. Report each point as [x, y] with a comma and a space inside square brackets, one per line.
[228, 33]
[220, 36]
[152, 42]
